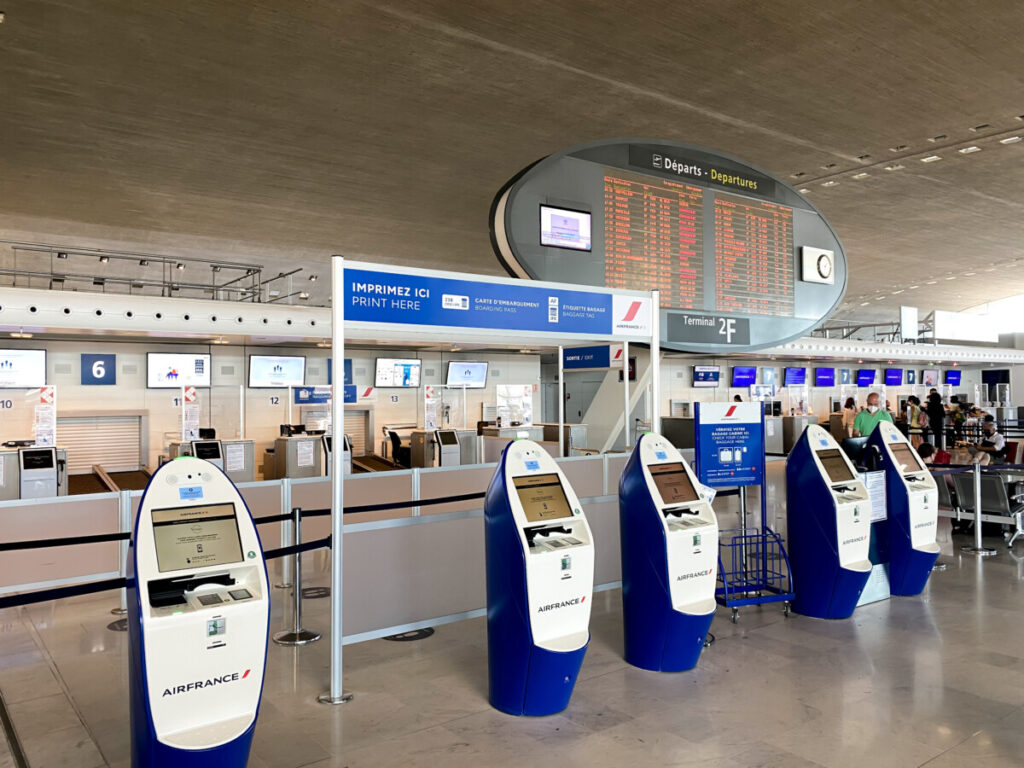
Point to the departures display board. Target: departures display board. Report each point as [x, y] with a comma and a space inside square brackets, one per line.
[742, 260]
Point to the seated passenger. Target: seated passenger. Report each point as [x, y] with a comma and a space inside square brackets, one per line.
[992, 443]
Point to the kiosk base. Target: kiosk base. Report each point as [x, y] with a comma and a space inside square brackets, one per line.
[909, 576]
[550, 678]
[150, 753]
[847, 586]
[679, 647]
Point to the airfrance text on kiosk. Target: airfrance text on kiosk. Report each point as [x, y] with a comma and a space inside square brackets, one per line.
[913, 511]
[828, 520]
[198, 615]
[540, 577]
[669, 539]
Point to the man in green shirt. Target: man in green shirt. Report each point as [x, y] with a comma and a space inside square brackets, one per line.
[867, 420]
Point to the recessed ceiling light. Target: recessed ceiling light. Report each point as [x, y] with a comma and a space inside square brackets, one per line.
[931, 158]
[940, 137]
[104, 259]
[828, 166]
[895, 167]
[180, 266]
[61, 255]
[324, 344]
[1011, 139]
[969, 150]
[304, 296]
[982, 127]
[898, 148]
[913, 287]
[312, 278]
[798, 175]
[804, 191]
[970, 274]
[931, 282]
[865, 303]
[143, 262]
[862, 158]
[830, 184]
[861, 175]
[951, 277]
[897, 293]
[20, 334]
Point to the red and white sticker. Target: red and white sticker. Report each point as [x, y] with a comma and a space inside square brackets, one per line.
[47, 395]
[190, 394]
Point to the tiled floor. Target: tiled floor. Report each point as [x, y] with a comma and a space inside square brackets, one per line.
[936, 680]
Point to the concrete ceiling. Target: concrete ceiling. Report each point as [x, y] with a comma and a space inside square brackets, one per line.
[382, 130]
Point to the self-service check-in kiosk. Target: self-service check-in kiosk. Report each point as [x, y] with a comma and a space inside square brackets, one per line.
[669, 539]
[913, 511]
[198, 614]
[540, 577]
[346, 456]
[235, 457]
[38, 472]
[828, 523]
[449, 451]
[209, 450]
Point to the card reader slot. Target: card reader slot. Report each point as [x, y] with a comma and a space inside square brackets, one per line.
[678, 511]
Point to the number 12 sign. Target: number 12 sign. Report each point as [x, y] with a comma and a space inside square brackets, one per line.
[99, 370]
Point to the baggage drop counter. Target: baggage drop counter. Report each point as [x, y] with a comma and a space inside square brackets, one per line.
[912, 499]
[198, 614]
[540, 578]
[669, 539]
[828, 514]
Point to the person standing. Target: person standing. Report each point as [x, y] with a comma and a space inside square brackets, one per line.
[936, 419]
[868, 419]
[849, 415]
[916, 419]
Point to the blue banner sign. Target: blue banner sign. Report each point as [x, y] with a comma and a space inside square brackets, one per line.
[312, 395]
[348, 370]
[393, 297]
[99, 370]
[730, 444]
[586, 357]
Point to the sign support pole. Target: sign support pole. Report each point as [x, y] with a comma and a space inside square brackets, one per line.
[656, 362]
[337, 694]
[625, 391]
[241, 412]
[561, 401]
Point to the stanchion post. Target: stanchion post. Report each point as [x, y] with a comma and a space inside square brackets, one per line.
[978, 548]
[336, 694]
[656, 362]
[625, 393]
[561, 402]
[297, 635]
[287, 533]
[124, 517]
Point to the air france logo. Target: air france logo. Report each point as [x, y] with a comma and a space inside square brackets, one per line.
[562, 604]
[208, 683]
[730, 412]
[630, 315]
[854, 541]
[694, 575]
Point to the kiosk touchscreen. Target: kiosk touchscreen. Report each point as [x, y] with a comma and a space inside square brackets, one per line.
[38, 472]
[669, 539]
[828, 514]
[449, 451]
[540, 576]
[913, 511]
[198, 615]
[209, 450]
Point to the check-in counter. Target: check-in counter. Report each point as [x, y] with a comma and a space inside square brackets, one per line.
[10, 473]
[773, 441]
[533, 432]
[678, 431]
[792, 428]
[296, 456]
[575, 435]
[236, 457]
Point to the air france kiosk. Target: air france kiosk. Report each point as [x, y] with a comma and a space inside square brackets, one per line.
[449, 450]
[540, 577]
[828, 524]
[198, 615]
[669, 541]
[913, 511]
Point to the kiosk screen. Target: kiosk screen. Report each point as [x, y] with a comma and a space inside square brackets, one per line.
[673, 483]
[195, 537]
[542, 498]
[835, 465]
[39, 459]
[447, 437]
[207, 450]
[906, 458]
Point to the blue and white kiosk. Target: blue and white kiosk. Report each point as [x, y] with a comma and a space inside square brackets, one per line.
[828, 524]
[540, 577]
[669, 541]
[198, 616]
[913, 511]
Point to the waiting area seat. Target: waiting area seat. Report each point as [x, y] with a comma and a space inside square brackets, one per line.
[997, 505]
[400, 454]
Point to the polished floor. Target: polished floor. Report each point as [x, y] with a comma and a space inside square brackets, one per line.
[932, 681]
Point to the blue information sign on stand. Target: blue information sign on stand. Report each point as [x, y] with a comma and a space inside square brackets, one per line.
[730, 444]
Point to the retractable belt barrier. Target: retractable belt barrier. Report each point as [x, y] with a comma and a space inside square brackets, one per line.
[77, 590]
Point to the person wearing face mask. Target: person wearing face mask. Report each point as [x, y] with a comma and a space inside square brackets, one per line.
[992, 443]
[868, 419]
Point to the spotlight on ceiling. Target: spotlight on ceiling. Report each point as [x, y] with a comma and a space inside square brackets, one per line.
[61, 255]
[312, 278]
[216, 267]
[180, 266]
[143, 262]
[1011, 139]
[104, 259]
[969, 150]
[304, 296]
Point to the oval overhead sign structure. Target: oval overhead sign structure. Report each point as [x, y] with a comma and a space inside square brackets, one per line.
[742, 260]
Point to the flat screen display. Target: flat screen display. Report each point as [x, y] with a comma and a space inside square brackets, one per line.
[177, 369]
[906, 457]
[824, 377]
[465, 374]
[795, 377]
[865, 377]
[893, 377]
[930, 377]
[196, 537]
[564, 228]
[270, 371]
[22, 368]
[542, 497]
[206, 449]
[744, 376]
[705, 375]
[392, 372]
[835, 466]
[447, 437]
[41, 458]
[953, 378]
[673, 483]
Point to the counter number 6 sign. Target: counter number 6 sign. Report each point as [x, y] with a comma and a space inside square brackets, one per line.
[99, 370]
